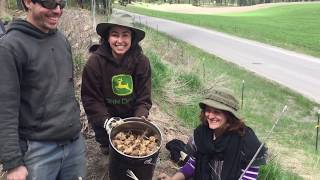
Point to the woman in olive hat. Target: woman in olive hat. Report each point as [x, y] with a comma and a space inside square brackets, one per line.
[116, 80]
[222, 145]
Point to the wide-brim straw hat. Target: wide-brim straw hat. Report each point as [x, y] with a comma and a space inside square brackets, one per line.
[222, 99]
[119, 19]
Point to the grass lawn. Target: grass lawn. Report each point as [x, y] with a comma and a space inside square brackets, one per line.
[295, 27]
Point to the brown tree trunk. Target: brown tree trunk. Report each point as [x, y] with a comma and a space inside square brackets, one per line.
[3, 6]
[19, 5]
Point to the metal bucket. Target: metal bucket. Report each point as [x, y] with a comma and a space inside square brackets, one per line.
[126, 167]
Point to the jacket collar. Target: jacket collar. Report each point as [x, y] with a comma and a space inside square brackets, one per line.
[104, 51]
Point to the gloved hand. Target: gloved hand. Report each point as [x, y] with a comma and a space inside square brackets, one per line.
[116, 122]
[111, 123]
[177, 151]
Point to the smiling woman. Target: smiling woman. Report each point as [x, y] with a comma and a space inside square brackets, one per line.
[116, 80]
[222, 146]
[119, 40]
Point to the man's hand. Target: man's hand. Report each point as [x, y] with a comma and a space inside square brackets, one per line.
[18, 173]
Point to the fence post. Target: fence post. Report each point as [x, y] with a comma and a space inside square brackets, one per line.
[317, 126]
[242, 92]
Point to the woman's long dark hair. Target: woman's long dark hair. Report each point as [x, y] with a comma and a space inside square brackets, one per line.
[233, 124]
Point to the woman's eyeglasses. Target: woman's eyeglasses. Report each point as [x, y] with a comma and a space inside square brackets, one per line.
[51, 4]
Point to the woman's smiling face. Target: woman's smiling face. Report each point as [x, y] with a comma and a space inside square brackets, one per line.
[119, 40]
[215, 117]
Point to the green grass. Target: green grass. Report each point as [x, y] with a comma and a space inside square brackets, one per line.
[273, 171]
[159, 76]
[192, 80]
[79, 62]
[295, 27]
[178, 68]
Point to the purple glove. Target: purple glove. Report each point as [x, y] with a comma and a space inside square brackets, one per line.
[188, 169]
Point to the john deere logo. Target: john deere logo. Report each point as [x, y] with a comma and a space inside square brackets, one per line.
[122, 85]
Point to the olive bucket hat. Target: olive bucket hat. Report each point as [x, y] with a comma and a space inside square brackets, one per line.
[120, 19]
[222, 99]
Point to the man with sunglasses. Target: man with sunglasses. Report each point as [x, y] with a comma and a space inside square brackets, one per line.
[39, 114]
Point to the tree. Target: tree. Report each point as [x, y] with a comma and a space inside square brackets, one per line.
[2, 8]
[19, 4]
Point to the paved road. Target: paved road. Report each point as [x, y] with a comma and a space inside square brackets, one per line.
[298, 72]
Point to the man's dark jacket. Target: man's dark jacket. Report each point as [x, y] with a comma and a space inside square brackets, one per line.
[37, 99]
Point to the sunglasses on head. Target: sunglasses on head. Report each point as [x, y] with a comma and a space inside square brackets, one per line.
[51, 4]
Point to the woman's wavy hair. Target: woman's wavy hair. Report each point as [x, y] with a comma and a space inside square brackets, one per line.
[233, 124]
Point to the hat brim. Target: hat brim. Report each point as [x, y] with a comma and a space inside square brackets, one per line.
[103, 28]
[219, 106]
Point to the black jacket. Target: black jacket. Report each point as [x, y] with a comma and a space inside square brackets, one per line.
[37, 99]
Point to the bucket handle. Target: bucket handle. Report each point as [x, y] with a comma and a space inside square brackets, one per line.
[131, 174]
[149, 161]
[115, 121]
[134, 118]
